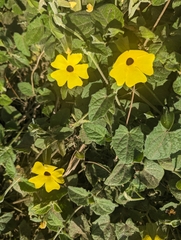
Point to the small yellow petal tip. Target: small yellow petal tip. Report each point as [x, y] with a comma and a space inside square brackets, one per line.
[43, 225]
[89, 7]
[68, 51]
[72, 4]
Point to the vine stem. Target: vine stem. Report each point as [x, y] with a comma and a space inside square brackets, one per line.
[157, 21]
[131, 105]
[59, 231]
[33, 71]
[7, 190]
[154, 95]
[146, 101]
[97, 66]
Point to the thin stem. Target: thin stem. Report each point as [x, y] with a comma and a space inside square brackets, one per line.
[117, 100]
[33, 71]
[131, 105]
[154, 95]
[157, 21]
[12, 88]
[19, 133]
[97, 66]
[59, 231]
[98, 165]
[146, 101]
[7, 190]
[15, 208]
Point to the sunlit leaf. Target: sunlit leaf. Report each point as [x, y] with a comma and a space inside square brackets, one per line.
[100, 104]
[161, 143]
[125, 143]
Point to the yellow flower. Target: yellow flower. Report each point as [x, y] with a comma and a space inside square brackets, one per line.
[89, 7]
[43, 225]
[131, 66]
[69, 70]
[147, 237]
[48, 176]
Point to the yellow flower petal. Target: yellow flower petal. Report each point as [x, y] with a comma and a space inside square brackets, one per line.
[81, 70]
[147, 237]
[89, 7]
[38, 168]
[51, 184]
[59, 180]
[74, 81]
[145, 64]
[59, 172]
[74, 59]
[38, 181]
[60, 62]
[119, 74]
[157, 238]
[121, 60]
[134, 76]
[72, 4]
[49, 168]
[43, 225]
[57, 175]
[60, 76]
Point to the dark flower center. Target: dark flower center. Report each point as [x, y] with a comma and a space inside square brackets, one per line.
[129, 61]
[47, 174]
[70, 68]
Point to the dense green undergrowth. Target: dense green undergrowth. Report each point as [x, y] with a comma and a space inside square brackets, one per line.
[120, 146]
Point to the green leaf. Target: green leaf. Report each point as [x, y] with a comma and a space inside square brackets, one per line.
[78, 195]
[161, 143]
[83, 23]
[95, 132]
[160, 75]
[102, 206]
[167, 119]
[5, 100]
[172, 187]
[3, 56]
[108, 14]
[54, 220]
[120, 175]
[151, 174]
[40, 210]
[158, 2]
[79, 226]
[146, 33]
[173, 62]
[126, 143]
[25, 89]
[134, 5]
[122, 43]
[7, 158]
[4, 219]
[125, 230]
[178, 185]
[26, 186]
[35, 31]
[21, 44]
[177, 85]
[100, 104]
[103, 229]
[54, 30]
[19, 59]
